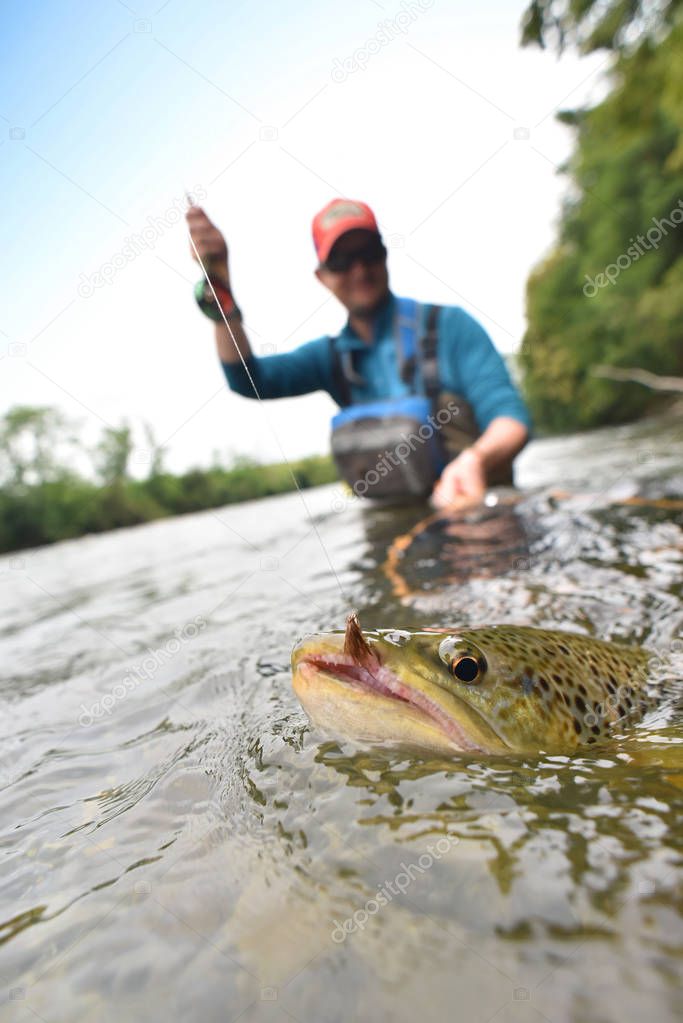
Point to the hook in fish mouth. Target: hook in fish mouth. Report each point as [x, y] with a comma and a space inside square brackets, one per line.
[357, 647]
[332, 679]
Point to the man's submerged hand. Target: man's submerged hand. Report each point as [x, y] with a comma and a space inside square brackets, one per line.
[462, 484]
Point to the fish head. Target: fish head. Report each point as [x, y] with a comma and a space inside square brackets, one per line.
[441, 691]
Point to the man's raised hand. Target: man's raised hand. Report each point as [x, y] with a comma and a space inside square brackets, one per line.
[210, 244]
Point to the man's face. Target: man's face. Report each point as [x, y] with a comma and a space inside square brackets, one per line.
[363, 283]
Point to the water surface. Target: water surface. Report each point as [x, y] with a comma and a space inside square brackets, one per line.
[178, 843]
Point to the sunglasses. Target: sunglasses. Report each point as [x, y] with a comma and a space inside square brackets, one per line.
[372, 252]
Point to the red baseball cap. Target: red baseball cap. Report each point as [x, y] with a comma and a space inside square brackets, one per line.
[338, 217]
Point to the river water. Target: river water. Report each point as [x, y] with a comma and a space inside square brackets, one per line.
[178, 843]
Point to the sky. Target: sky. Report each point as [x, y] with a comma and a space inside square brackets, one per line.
[426, 109]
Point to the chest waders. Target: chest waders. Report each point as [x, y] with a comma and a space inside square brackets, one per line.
[397, 447]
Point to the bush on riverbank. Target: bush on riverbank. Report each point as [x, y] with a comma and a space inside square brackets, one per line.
[43, 500]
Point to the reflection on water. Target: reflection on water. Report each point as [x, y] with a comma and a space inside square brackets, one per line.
[444, 549]
[178, 843]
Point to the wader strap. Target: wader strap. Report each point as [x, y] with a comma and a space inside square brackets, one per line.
[429, 365]
[413, 352]
[405, 335]
[409, 352]
[338, 375]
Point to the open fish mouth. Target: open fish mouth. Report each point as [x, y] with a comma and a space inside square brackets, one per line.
[373, 678]
[353, 686]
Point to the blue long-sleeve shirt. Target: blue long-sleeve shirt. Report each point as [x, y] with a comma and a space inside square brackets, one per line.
[468, 363]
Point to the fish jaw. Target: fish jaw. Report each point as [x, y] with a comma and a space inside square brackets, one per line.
[376, 702]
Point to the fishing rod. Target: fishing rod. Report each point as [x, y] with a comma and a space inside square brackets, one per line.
[216, 288]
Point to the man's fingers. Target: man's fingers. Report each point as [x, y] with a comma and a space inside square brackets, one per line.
[207, 240]
[452, 503]
[448, 490]
[207, 244]
[202, 230]
[200, 235]
[197, 220]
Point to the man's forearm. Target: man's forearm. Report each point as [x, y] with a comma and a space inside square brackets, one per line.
[502, 439]
[225, 346]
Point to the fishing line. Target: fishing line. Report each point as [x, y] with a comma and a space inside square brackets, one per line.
[270, 425]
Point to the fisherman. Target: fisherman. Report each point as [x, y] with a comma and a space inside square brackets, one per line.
[427, 404]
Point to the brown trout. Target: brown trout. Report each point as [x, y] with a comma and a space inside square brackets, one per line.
[494, 689]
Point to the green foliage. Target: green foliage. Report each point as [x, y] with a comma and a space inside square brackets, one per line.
[42, 501]
[627, 170]
[596, 24]
[29, 439]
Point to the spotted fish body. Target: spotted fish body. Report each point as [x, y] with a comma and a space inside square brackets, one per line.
[491, 689]
[558, 688]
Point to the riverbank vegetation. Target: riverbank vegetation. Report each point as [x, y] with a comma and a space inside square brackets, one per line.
[43, 498]
[611, 290]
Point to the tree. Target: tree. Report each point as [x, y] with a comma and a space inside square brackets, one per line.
[611, 290]
[156, 450]
[112, 454]
[32, 438]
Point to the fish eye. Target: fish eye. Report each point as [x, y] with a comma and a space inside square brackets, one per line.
[466, 668]
[464, 660]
